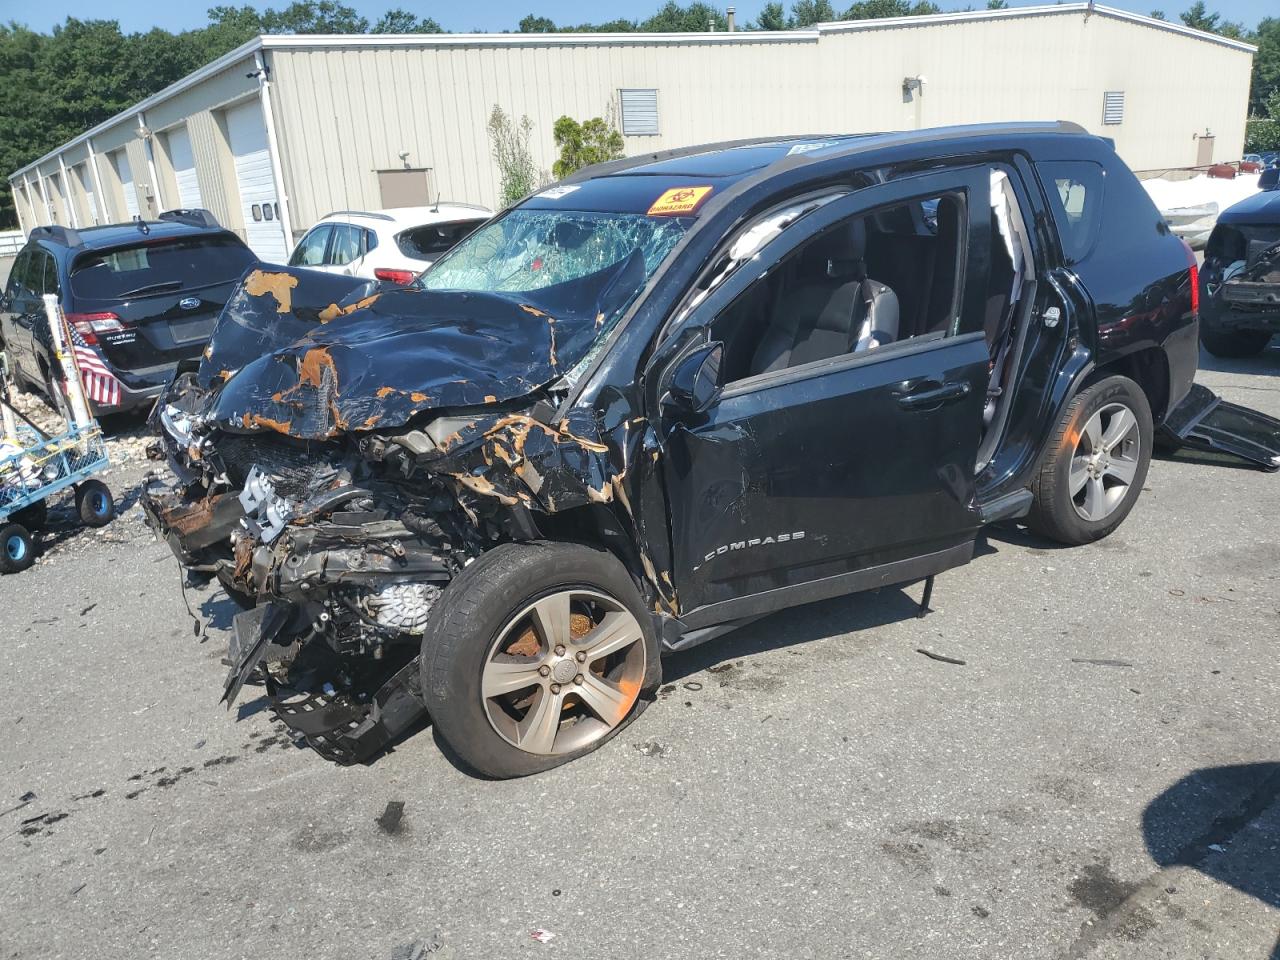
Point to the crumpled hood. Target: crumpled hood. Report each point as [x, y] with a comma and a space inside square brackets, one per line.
[378, 360]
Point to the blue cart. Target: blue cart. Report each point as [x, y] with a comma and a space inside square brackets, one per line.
[33, 468]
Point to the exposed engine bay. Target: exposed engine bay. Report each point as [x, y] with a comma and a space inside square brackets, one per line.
[335, 469]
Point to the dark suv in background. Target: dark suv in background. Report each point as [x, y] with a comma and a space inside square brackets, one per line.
[143, 295]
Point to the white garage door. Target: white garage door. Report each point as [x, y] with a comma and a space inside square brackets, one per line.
[258, 202]
[184, 168]
[126, 182]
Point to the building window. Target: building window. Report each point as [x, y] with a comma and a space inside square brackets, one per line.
[639, 113]
[1113, 106]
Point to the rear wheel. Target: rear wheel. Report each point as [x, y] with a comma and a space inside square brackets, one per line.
[1095, 465]
[94, 503]
[17, 552]
[1233, 344]
[537, 654]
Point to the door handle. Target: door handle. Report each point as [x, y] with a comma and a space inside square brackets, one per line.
[930, 395]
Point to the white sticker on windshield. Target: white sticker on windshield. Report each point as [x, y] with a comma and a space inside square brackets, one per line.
[555, 193]
[812, 145]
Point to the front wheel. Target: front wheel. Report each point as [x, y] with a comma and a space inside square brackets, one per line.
[1095, 464]
[17, 552]
[537, 654]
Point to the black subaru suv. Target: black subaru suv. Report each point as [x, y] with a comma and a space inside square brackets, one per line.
[665, 397]
[140, 295]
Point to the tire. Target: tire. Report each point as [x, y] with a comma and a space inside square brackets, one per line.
[17, 551]
[94, 504]
[1113, 478]
[482, 609]
[1234, 344]
[33, 517]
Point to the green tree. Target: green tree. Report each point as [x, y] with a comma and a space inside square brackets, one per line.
[1199, 18]
[1157, 15]
[1266, 70]
[509, 139]
[997, 5]
[772, 17]
[582, 144]
[402, 21]
[805, 13]
[673, 18]
[875, 9]
[533, 24]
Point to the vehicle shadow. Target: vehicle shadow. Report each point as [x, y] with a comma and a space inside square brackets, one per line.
[1175, 835]
[1266, 363]
[799, 625]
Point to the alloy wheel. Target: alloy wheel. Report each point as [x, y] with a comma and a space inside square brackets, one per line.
[1105, 461]
[563, 672]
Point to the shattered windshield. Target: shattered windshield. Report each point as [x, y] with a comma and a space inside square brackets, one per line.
[528, 250]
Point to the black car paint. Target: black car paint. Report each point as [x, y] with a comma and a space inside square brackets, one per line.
[1248, 231]
[161, 328]
[811, 482]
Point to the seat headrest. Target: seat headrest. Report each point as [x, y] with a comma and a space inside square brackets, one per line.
[840, 253]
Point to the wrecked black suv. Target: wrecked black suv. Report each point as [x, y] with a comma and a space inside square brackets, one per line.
[663, 398]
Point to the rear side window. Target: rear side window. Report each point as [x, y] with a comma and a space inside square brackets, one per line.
[428, 242]
[1075, 189]
[346, 244]
[159, 267]
[51, 284]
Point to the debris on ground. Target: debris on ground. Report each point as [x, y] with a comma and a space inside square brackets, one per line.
[389, 822]
[1101, 662]
[23, 800]
[941, 658]
[542, 936]
[652, 748]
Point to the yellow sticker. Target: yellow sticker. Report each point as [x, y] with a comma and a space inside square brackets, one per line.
[679, 200]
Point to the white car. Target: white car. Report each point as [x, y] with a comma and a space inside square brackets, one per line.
[394, 245]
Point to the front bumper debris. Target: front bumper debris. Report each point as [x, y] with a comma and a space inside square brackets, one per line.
[346, 727]
[1205, 422]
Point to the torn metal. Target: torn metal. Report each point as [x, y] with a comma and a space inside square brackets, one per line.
[342, 453]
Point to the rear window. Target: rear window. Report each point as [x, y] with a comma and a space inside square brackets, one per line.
[1075, 197]
[428, 242]
[159, 267]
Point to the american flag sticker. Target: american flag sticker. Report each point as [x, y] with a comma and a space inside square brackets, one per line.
[100, 384]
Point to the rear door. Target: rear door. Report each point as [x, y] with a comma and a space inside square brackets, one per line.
[22, 302]
[814, 475]
[152, 304]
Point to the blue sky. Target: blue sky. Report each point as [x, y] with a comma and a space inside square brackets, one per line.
[491, 15]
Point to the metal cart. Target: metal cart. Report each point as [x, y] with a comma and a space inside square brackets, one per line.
[35, 465]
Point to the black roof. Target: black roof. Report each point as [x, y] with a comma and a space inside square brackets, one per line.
[171, 223]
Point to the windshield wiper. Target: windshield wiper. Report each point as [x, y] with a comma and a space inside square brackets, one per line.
[152, 288]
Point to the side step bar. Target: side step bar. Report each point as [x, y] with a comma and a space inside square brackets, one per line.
[1204, 421]
[1009, 506]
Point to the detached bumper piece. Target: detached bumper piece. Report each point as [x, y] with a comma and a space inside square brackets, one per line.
[346, 731]
[1204, 421]
[345, 727]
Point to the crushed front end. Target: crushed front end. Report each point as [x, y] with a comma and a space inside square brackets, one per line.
[335, 475]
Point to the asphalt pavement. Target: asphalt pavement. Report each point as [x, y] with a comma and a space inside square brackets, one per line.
[1100, 778]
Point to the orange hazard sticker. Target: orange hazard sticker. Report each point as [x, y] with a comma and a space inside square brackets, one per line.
[679, 200]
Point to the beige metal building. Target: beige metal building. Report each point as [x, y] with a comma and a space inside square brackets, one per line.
[281, 131]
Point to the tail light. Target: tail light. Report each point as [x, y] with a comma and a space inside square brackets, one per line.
[89, 325]
[1195, 278]
[402, 277]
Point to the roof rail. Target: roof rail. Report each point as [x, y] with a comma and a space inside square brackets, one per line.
[195, 217]
[357, 213]
[59, 234]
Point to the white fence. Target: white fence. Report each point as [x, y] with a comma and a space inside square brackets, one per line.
[11, 241]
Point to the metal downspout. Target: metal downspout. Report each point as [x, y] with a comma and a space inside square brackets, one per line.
[44, 195]
[68, 195]
[273, 148]
[100, 198]
[151, 163]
